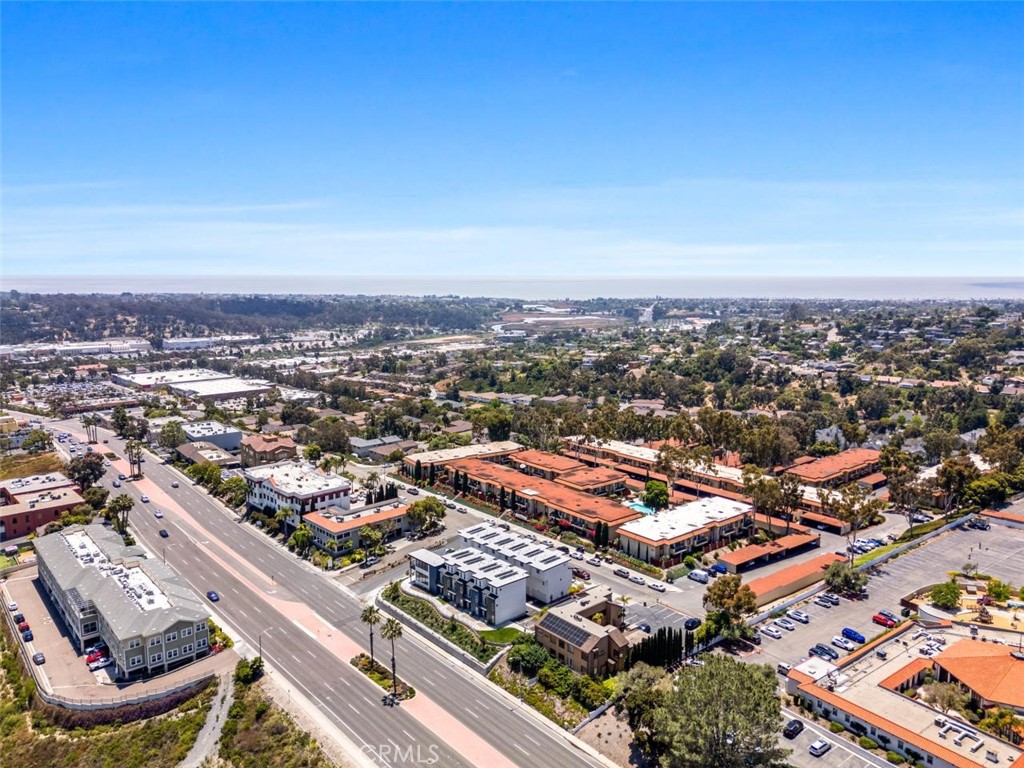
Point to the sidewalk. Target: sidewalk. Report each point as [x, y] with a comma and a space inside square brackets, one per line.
[206, 742]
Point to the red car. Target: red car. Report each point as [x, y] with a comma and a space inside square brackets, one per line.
[23, 626]
[96, 656]
[885, 621]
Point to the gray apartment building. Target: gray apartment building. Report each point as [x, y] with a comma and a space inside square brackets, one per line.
[148, 617]
[481, 585]
[548, 571]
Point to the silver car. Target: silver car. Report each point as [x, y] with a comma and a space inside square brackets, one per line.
[786, 624]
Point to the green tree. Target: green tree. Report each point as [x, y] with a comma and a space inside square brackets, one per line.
[945, 696]
[723, 714]
[96, 497]
[370, 617]
[301, 540]
[655, 494]
[172, 434]
[845, 579]
[732, 600]
[527, 657]
[392, 631]
[1004, 723]
[312, 453]
[86, 470]
[234, 491]
[854, 505]
[999, 591]
[953, 477]
[37, 441]
[946, 596]
[118, 509]
[425, 513]
[370, 538]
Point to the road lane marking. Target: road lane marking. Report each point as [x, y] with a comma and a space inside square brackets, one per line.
[520, 749]
[474, 714]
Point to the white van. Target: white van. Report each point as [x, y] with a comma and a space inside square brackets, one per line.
[699, 576]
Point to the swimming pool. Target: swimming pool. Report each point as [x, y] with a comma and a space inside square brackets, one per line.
[640, 507]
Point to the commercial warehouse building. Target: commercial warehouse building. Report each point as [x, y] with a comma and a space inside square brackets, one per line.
[104, 591]
[223, 436]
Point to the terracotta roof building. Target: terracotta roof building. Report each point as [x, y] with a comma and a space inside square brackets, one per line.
[266, 449]
[844, 467]
[994, 673]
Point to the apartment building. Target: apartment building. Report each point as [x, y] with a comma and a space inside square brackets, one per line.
[567, 471]
[257, 450]
[472, 581]
[222, 435]
[532, 498]
[337, 530]
[666, 537]
[29, 503]
[496, 450]
[839, 469]
[104, 591]
[548, 571]
[586, 634]
[301, 487]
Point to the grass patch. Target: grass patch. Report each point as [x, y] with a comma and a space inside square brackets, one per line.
[258, 734]
[451, 629]
[867, 557]
[381, 675]
[30, 738]
[924, 528]
[25, 465]
[504, 636]
[7, 562]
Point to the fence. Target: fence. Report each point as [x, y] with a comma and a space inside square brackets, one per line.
[821, 587]
[115, 702]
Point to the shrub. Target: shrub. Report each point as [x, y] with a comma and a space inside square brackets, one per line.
[836, 727]
[867, 742]
[690, 562]
[895, 758]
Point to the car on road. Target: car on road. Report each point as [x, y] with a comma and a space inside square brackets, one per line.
[27, 635]
[800, 616]
[163, 533]
[12, 606]
[116, 483]
[657, 586]
[22, 626]
[793, 729]
[820, 600]
[621, 572]
[100, 664]
[174, 484]
[158, 513]
[576, 555]
[413, 491]
[145, 499]
[842, 642]
[691, 624]
[579, 573]
[852, 634]
[563, 548]
[820, 747]
[884, 621]
[122, 477]
[38, 659]
[105, 441]
[595, 561]
[786, 624]
[213, 596]
[451, 505]
[637, 579]
[372, 560]
[771, 632]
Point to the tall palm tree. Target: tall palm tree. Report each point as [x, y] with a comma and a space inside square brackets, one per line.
[371, 617]
[392, 630]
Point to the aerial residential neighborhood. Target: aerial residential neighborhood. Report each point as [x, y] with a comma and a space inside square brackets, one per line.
[512, 385]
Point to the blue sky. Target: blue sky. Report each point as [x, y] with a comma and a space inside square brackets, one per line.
[513, 139]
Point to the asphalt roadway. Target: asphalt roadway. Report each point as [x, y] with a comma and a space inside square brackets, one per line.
[237, 561]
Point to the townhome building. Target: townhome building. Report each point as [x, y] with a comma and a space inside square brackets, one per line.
[586, 634]
[472, 581]
[548, 571]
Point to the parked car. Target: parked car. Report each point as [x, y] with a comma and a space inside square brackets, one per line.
[800, 616]
[576, 555]
[783, 668]
[644, 628]
[621, 572]
[657, 586]
[96, 656]
[413, 491]
[771, 632]
[884, 621]
[22, 626]
[700, 576]
[95, 647]
[12, 606]
[786, 624]
[595, 561]
[820, 600]
[718, 568]
[691, 624]
[451, 505]
[38, 658]
[820, 747]
[834, 599]
[842, 642]
[18, 618]
[832, 653]
[852, 634]
[793, 729]
[372, 560]
[755, 638]
[100, 664]
[213, 596]
[563, 548]
[27, 635]
[579, 573]
[637, 579]
[888, 615]
[819, 652]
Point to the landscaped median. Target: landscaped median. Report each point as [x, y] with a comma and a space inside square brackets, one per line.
[382, 677]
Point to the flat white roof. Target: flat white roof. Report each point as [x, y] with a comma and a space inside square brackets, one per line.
[229, 385]
[166, 378]
[134, 582]
[537, 553]
[485, 567]
[679, 521]
[207, 428]
[930, 472]
[298, 479]
[463, 452]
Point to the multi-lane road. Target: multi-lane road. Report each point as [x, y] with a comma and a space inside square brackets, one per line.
[308, 627]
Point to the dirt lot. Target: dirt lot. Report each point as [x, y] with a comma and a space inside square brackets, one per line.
[610, 735]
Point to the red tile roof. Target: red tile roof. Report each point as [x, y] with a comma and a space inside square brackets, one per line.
[340, 526]
[794, 573]
[264, 443]
[778, 547]
[988, 669]
[548, 462]
[830, 467]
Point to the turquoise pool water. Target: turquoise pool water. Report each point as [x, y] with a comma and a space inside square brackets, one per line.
[640, 507]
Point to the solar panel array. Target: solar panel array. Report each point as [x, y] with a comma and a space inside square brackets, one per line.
[567, 630]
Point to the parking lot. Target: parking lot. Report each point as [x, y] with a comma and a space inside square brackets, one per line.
[998, 552]
[842, 755]
[655, 615]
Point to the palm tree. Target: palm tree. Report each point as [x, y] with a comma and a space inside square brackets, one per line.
[371, 617]
[392, 630]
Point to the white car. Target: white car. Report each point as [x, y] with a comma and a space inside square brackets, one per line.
[595, 561]
[800, 616]
[576, 555]
[145, 499]
[637, 579]
[12, 607]
[100, 664]
[820, 747]
[771, 632]
[657, 586]
[158, 513]
[842, 642]
[786, 624]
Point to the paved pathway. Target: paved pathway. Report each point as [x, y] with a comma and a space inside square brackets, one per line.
[209, 735]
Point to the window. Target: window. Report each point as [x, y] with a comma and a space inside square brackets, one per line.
[201, 627]
[186, 632]
[172, 653]
[156, 658]
[200, 643]
[134, 643]
[134, 661]
[88, 629]
[186, 648]
[154, 641]
[171, 637]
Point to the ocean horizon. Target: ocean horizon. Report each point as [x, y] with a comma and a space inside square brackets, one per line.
[536, 289]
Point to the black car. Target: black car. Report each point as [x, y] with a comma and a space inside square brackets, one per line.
[820, 652]
[793, 729]
[828, 651]
[163, 533]
[38, 658]
[18, 618]
[691, 624]
[645, 628]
